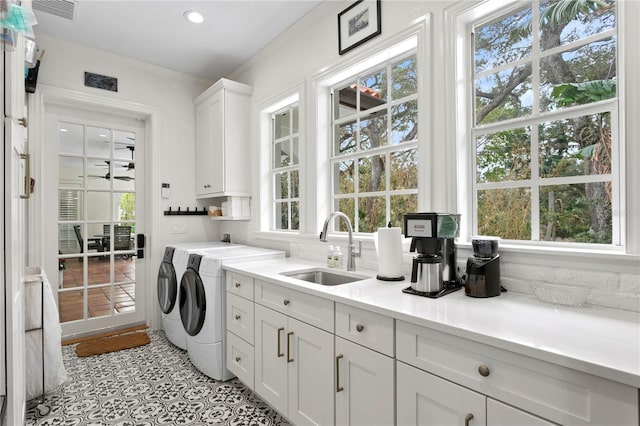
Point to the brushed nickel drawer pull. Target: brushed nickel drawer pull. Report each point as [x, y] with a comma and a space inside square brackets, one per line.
[280, 353]
[286, 302]
[338, 387]
[468, 419]
[237, 285]
[484, 371]
[359, 328]
[289, 334]
[237, 317]
[237, 359]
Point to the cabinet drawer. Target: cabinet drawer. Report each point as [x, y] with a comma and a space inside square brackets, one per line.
[366, 328]
[304, 307]
[240, 285]
[240, 356]
[240, 317]
[557, 393]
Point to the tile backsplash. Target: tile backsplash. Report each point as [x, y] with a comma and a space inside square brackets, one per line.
[617, 290]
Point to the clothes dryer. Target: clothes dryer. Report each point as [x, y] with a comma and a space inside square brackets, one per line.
[172, 267]
[202, 305]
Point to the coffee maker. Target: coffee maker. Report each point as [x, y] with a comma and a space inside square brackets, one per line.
[433, 272]
[483, 268]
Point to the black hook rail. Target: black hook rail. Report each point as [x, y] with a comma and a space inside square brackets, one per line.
[186, 212]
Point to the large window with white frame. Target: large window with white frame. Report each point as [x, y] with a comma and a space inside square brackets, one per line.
[285, 168]
[374, 155]
[544, 132]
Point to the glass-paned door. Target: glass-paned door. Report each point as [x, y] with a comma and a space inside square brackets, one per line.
[98, 216]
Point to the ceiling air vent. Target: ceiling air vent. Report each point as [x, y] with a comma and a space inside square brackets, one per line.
[62, 8]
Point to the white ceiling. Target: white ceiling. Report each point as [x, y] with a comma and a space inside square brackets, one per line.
[154, 31]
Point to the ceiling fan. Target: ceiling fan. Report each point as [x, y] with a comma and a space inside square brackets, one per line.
[109, 177]
[128, 166]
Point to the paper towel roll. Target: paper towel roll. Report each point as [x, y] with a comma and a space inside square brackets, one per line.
[389, 248]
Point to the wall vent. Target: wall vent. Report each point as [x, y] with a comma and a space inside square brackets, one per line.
[62, 8]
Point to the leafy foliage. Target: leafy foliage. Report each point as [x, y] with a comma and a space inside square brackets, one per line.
[575, 75]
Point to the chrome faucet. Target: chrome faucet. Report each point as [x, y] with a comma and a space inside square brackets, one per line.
[351, 253]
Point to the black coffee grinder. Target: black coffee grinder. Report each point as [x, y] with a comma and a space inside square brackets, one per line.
[434, 266]
[483, 268]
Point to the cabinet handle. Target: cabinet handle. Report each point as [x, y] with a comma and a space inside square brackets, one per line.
[359, 328]
[237, 285]
[237, 359]
[338, 387]
[237, 317]
[207, 186]
[280, 353]
[289, 334]
[468, 419]
[286, 302]
[484, 371]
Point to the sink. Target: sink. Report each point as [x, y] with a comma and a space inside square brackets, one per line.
[324, 276]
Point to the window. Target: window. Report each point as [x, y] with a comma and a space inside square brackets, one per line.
[374, 158]
[285, 169]
[545, 127]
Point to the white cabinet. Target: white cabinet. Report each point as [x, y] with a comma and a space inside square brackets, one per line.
[499, 414]
[294, 367]
[365, 377]
[222, 140]
[558, 394]
[364, 386]
[240, 322]
[425, 399]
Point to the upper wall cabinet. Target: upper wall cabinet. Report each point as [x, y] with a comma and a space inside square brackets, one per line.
[223, 118]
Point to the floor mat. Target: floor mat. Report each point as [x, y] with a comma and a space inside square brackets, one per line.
[105, 345]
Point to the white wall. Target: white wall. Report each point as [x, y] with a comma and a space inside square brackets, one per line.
[172, 93]
[310, 48]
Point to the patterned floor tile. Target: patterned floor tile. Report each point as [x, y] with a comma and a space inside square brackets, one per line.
[150, 385]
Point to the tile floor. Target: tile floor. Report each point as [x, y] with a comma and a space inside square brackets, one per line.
[150, 385]
[71, 296]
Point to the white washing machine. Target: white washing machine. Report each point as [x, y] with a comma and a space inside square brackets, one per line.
[202, 305]
[171, 269]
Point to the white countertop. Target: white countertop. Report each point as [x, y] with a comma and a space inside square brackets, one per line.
[600, 341]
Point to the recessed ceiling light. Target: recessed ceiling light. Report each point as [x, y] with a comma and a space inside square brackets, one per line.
[193, 17]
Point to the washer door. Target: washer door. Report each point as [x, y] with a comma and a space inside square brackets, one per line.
[193, 303]
[167, 287]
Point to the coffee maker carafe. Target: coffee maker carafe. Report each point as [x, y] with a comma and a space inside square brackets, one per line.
[433, 272]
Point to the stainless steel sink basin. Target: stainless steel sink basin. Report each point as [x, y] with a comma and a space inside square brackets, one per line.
[324, 276]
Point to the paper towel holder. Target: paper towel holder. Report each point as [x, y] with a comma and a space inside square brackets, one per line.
[386, 278]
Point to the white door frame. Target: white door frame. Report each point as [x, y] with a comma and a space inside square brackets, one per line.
[51, 95]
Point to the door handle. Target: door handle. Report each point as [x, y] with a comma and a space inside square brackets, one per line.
[338, 387]
[289, 334]
[26, 193]
[280, 353]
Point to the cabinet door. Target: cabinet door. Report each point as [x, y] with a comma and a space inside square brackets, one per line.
[365, 395]
[270, 357]
[424, 399]
[499, 414]
[210, 145]
[310, 361]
